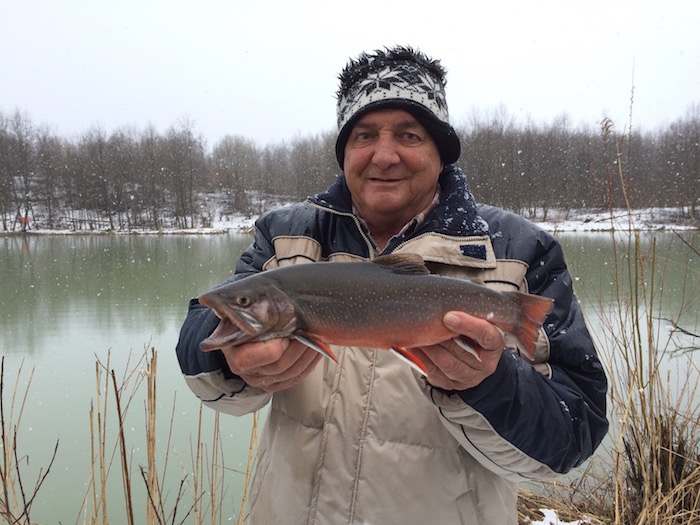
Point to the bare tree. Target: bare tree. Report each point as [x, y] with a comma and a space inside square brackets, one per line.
[235, 163]
[6, 179]
[183, 167]
[150, 166]
[49, 162]
[680, 155]
[21, 166]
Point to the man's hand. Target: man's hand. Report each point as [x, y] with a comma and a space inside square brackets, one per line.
[451, 367]
[272, 365]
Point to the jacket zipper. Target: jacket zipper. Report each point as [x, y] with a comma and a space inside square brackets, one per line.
[368, 242]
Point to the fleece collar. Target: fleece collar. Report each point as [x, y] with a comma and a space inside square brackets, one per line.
[455, 213]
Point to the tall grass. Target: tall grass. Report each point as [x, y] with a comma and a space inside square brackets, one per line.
[656, 458]
[200, 496]
[118, 489]
[649, 470]
[17, 496]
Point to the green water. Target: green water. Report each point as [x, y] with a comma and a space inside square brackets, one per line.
[69, 301]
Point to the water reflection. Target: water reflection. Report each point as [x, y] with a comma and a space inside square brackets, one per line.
[104, 286]
[603, 270]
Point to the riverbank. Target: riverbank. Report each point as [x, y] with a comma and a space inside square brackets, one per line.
[650, 219]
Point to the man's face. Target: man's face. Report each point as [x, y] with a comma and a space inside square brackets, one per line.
[391, 166]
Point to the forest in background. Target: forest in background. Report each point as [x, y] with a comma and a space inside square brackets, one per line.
[133, 178]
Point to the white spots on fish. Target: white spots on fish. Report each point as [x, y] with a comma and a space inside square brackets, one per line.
[490, 316]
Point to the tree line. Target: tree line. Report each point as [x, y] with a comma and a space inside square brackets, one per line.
[133, 179]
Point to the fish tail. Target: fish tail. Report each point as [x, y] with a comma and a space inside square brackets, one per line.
[534, 309]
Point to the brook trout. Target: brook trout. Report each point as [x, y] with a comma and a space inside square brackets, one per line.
[391, 302]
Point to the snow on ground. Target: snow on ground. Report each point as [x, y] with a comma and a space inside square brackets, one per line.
[621, 219]
[556, 221]
[550, 518]
[651, 219]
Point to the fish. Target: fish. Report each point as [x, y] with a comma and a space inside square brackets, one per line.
[391, 302]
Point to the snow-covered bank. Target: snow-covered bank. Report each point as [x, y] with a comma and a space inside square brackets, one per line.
[651, 219]
[555, 221]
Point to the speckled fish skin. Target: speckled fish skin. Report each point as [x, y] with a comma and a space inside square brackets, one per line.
[392, 301]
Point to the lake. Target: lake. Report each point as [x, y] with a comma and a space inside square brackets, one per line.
[67, 302]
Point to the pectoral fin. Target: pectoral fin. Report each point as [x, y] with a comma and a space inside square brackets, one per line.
[467, 347]
[321, 347]
[409, 358]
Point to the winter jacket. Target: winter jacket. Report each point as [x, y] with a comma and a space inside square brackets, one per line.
[370, 441]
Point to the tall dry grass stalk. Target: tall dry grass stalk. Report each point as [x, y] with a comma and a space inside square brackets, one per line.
[155, 495]
[649, 470]
[16, 496]
[151, 474]
[656, 430]
[252, 452]
[105, 449]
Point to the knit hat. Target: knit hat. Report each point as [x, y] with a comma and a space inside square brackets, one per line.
[396, 78]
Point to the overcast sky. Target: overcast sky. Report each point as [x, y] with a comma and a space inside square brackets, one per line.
[267, 69]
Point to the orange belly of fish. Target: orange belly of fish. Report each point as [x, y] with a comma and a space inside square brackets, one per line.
[387, 337]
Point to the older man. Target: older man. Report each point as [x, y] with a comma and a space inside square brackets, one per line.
[369, 440]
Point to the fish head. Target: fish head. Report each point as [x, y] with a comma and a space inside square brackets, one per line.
[248, 312]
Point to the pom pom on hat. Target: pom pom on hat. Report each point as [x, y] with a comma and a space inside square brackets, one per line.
[396, 78]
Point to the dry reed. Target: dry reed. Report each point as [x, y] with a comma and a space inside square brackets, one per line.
[650, 471]
[17, 498]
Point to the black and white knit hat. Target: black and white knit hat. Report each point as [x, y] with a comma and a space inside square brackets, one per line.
[396, 78]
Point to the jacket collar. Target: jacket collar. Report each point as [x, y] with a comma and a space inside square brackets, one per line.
[452, 233]
[455, 213]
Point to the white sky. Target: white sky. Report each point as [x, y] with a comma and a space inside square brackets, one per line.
[267, 69]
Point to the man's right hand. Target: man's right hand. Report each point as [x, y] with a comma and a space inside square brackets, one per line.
[272, 365]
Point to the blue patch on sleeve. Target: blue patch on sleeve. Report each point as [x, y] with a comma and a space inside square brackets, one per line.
[475, 251]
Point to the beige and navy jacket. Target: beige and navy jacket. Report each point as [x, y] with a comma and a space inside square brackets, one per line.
[368, 440]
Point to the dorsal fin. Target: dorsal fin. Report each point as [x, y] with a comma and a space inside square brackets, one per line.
[408, 263]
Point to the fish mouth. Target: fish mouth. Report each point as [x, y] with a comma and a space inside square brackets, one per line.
[235, 328]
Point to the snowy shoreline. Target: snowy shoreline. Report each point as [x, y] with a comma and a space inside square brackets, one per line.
[557, 221]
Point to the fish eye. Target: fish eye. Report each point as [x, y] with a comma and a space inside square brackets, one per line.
[243, 300]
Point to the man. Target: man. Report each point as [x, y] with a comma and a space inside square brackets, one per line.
[369, 440]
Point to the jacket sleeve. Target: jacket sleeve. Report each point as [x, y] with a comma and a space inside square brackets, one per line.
[518, 422]
[206, 373]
